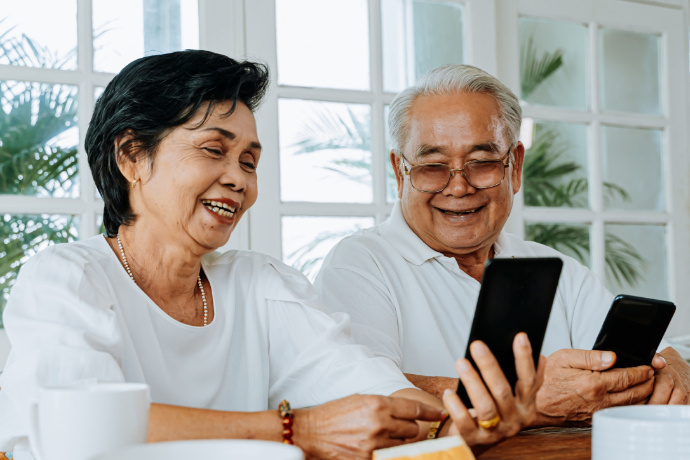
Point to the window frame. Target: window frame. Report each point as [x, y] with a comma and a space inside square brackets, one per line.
[265, 217]
[240, 28]
[660, 19]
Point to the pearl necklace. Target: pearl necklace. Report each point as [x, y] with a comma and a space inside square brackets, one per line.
[198, 279]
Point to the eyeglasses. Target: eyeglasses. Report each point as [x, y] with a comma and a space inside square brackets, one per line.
[434, 177]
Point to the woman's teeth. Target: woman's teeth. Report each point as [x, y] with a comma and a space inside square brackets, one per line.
[219, 208]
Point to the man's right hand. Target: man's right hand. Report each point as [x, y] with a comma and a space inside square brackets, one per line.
[575, 387]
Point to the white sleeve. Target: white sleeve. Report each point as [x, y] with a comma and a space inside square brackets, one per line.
[592, 302]
[313, 358]
[350, 281]
[592, 305]
[62, 330]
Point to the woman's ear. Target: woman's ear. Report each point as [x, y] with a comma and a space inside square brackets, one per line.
[126, 154]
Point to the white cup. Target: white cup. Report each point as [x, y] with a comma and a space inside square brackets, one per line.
[77, 422]
[641, 433]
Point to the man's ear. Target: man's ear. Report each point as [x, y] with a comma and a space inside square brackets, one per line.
[516, 170]
[125, 152]
[397, 169]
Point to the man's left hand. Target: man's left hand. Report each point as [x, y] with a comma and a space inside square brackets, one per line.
[672, 378]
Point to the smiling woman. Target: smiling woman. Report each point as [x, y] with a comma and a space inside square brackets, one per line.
[219, 338]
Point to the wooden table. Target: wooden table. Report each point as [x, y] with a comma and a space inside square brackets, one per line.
[544, 443]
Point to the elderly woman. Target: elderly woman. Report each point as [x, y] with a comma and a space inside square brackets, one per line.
[220, 338]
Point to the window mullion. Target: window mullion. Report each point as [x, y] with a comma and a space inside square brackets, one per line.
[87, 223]
[596, 199]
[265, 218]
[378, 142]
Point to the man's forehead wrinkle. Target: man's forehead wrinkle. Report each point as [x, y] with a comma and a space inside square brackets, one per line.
[427, 149]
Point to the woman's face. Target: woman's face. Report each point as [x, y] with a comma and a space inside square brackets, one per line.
[202, 181]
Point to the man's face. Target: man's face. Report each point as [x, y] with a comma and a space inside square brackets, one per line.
[453, 129]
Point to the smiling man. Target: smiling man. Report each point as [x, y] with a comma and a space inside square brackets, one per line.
[411, 284]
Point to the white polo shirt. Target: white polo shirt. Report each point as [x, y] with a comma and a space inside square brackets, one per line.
[415, 306]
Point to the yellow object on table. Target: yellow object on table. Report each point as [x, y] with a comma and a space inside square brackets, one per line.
[448, 448]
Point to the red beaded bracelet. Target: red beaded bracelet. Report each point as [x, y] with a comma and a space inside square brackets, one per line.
[287, 416]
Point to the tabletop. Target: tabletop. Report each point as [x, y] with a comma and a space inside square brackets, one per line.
[544, 443]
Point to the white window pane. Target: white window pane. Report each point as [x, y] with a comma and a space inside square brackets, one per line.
[417, 37]
[555, 168]
[570, 239]
[22, 236]
[129, 29]
[323, 43]
[38, 139]
[632, 163]
[307, 240]
[553, 63]
[638, 254]
[629, 64]
[39, 33]
[325, 151]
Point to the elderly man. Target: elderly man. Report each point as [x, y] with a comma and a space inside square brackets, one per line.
[411, 284]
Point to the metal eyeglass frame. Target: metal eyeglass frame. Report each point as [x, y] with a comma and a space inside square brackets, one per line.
[452, 171]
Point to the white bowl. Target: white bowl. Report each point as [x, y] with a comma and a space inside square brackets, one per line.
[211, 449]
[641, 432]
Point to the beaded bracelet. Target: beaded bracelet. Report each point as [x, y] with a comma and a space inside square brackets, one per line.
[435, 427]
[287, 415]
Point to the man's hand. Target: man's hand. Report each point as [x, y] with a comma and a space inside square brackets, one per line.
[672, 378]
[575, 386]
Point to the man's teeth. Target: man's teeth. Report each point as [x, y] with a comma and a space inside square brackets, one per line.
[219, 208]
[453, 213]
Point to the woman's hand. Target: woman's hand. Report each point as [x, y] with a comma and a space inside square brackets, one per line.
[502, 413]
[352, 427]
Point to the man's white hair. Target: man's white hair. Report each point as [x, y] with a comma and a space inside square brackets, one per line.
[452, 79]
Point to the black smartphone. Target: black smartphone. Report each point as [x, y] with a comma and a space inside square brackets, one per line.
[516, 295]
[633, 329]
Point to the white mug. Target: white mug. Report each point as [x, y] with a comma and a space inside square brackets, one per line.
[77, 422]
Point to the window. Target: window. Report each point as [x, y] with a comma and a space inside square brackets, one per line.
[337, 64]
[54, 64]
[605, 171]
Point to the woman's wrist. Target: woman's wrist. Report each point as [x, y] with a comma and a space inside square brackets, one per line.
[302, 430]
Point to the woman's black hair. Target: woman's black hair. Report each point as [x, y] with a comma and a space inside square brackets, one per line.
[149, 97]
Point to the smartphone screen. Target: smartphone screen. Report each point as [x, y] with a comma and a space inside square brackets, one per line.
[634, 328]
[516, 295]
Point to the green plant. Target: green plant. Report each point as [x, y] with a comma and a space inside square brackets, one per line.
[551, 181]
[534, 70]
[32, 162]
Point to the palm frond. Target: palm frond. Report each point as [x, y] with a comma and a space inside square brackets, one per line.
[623, 263]
[328, 129]
[305, 260]
[535, 70]
[569, 239]
[32, 117]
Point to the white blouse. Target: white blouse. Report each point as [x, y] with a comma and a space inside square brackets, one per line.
[74, 314]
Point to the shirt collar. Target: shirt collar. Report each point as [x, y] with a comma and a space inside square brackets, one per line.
[396, 230]
[411, 247]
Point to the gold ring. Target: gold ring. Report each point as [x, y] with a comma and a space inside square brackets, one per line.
[490, 424]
